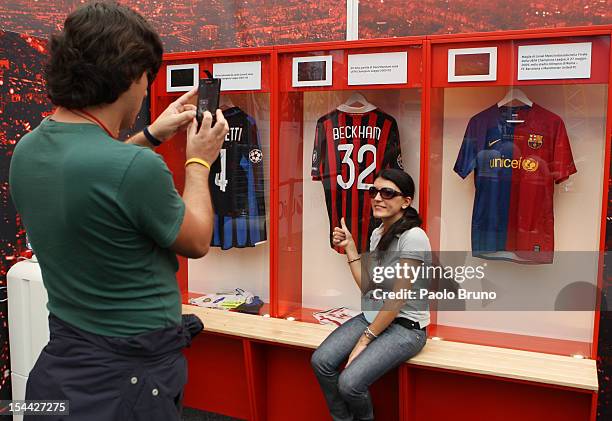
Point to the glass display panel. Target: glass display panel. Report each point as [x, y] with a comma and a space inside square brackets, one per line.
[515, 177]
[333, 141]
[235, 274]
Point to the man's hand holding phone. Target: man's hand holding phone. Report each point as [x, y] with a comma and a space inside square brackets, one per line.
[206, 143]
[176, 117]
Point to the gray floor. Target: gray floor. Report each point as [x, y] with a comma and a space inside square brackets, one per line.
[190, 414]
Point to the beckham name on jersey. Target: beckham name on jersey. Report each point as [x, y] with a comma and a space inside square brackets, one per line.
[357, 132]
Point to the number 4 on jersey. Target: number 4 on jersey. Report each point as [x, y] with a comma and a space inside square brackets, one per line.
[221, 177]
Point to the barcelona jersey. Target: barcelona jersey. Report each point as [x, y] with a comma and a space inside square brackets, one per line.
[516, 165]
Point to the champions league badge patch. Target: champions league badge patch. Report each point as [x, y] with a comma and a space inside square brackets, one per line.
[315, 158]
[255, 156]
[400, 163]
[535, 141]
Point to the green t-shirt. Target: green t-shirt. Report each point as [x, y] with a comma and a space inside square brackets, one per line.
[100, 215]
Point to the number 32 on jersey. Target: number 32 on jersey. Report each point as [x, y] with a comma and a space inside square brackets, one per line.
[347, 148]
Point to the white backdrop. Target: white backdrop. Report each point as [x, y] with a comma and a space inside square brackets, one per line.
[577, 209]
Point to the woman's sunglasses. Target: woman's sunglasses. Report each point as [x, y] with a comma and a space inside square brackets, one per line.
[386, 193]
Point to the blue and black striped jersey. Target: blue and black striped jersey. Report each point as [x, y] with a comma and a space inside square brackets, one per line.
[237, 185]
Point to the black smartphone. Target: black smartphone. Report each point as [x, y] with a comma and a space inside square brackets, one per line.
[209, 91]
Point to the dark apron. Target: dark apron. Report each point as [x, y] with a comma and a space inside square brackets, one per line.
[107, 378]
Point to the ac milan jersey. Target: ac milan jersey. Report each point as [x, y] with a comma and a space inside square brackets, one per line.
[349, 150]
[237, 185]
[515, 168]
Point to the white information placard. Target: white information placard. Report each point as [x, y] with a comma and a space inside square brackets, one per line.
[554, 61]
[239, 76]
[378, 69]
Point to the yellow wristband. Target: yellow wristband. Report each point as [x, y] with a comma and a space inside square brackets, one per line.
[197, 161]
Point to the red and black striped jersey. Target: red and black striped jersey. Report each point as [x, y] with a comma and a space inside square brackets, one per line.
[349, 150]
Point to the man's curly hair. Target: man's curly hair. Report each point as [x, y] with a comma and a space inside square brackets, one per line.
[103, 48]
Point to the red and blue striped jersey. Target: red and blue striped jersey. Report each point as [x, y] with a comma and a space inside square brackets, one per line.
[515, 168]
[349, 150]
[236, 184]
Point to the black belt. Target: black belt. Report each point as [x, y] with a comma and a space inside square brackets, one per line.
[408, 324]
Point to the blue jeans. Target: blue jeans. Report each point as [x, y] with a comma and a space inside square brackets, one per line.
[346, 392]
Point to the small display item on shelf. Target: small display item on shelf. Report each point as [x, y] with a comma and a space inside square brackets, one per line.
[335, 316]
[226, 300]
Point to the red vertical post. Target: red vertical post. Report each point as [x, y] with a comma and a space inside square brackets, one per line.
[290, 150]
[407, 397]
[274, 185]
[255, 373]
[604, 206]
[593, 416]
[425, 129]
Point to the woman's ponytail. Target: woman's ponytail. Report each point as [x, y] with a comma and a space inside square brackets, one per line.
[409, 220]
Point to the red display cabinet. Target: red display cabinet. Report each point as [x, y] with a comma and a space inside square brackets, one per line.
[516, 159]
[409, 94]
[240, 256]
[240, 178]
[343, 104]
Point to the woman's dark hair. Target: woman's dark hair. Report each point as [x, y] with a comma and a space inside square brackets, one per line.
[103, 48]
[410, 218]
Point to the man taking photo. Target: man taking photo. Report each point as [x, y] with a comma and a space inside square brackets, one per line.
[106, 222]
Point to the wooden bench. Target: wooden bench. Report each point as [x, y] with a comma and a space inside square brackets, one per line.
[500, 362]
[494, 364]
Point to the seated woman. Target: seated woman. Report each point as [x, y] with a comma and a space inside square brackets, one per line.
[377, 341]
